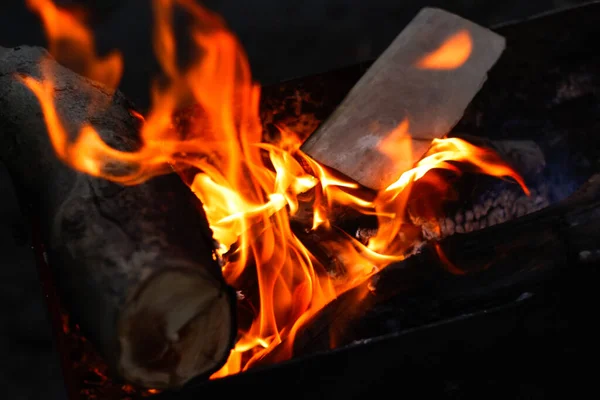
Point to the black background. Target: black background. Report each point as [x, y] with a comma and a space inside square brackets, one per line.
[283, 38]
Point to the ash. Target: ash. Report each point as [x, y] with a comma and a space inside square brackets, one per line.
[496, 208]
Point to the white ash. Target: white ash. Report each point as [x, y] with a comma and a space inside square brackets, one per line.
[491, 210]
[504, 207]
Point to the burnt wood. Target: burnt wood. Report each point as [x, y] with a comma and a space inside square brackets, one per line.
[462, 272]
[135, 264]
[533, 346]
[524, 156]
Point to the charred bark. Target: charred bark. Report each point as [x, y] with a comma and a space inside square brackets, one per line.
[135, 264]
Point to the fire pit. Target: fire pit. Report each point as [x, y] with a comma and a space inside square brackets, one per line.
[491, 264]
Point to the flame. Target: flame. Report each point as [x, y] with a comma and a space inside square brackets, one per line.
[453, 53]
[251, 189]
[72, 44]
[449, 265]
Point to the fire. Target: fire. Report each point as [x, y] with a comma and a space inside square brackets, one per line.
[72, 44]
[250, 189]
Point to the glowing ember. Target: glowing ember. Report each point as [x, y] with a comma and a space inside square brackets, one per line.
[250, 189]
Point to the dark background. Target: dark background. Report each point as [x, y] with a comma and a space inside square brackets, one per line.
[283, 38]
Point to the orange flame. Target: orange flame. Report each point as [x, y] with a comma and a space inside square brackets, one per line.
[250, 189]
[72, 44]
[453, 53]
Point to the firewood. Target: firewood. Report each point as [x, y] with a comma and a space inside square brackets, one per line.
[462, 271]
[404, 101]
[495, 205]
[499, 208]
[135, 264]
[524, 156]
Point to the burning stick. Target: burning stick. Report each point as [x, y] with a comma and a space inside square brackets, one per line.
[136, 264]
[411, 95]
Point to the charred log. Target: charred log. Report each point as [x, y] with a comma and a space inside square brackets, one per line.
[135, 264]
[498, 208]
[481, 201]
[485, 201]
[461, 271]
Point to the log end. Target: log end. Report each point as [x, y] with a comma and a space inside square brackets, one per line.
[179, 325]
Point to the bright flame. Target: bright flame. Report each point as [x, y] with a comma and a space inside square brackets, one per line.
[453, 53]
[250, 189]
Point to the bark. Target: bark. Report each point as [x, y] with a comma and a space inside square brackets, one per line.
[135, 264]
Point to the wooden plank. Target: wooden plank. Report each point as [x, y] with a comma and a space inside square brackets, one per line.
[413, 93]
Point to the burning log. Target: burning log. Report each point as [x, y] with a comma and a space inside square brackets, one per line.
[490, 208]
[462, 271]
[136, 264]
[499, 203]
[412, 94]
[496, 209]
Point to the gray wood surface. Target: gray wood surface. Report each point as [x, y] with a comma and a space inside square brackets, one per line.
[397, 89]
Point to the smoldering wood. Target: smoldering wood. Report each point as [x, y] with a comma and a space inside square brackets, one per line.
[488, 201]
[396, 89]
[462, 271]
[497, 208]
[135, 264]
[493, 206]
